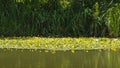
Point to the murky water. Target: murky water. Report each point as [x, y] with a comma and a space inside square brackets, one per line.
[61, 59]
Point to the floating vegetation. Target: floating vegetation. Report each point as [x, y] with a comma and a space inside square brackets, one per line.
[53, 44]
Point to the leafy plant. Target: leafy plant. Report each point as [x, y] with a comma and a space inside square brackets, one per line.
[113, 20]
[58, 18]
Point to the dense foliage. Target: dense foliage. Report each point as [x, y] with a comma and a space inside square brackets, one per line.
[60, 18]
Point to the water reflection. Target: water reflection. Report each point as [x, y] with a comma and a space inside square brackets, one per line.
[61, 59]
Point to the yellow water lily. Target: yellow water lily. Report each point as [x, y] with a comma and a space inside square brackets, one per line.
[59, 43]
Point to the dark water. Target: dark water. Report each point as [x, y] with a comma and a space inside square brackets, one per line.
[61, 59]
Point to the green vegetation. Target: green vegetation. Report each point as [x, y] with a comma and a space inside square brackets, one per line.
[113, 20]
[59, 43]
[60, 18]
[62, 26]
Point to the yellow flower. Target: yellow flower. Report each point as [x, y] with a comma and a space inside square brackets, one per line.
[73, 47]
[46, 51]
[53, 51]
[114, 49]
[73, 51]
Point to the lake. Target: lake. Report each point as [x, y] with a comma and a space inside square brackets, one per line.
[26, 58]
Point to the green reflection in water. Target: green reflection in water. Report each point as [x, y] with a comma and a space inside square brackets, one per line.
[40, 59]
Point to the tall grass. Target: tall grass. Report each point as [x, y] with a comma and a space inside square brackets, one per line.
[113, 20]
[57, 17]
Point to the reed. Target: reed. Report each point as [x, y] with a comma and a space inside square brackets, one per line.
[113, 20]
[58, 18]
